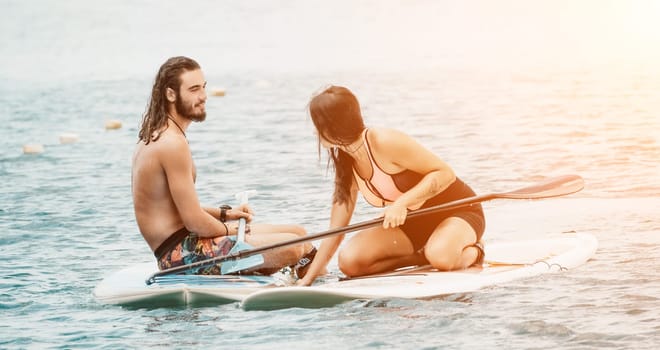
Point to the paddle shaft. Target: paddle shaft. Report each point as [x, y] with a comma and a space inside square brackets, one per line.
[553, 187]
[240, 236]
[360, 226]
[243, 199]
[234, 266]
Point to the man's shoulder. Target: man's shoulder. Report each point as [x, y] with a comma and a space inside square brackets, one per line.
[167, 142]
[162, 149]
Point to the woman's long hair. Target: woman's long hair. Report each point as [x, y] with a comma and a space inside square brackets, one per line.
[337, 117]
[169, 76]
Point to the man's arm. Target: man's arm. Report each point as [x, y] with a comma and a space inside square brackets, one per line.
[178, 166]
[243, 211]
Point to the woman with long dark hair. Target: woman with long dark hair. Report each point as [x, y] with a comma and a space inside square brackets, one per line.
[393, 171]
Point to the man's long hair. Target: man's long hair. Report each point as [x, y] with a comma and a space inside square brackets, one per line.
[169, 76]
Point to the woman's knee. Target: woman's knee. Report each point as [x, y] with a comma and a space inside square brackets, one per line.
[440, 260]
[349, 262]
[441, 255]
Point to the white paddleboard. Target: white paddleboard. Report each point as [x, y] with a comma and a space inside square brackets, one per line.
[128, 287]
[505, 261]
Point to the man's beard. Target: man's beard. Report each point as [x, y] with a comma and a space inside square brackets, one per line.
[186, 110]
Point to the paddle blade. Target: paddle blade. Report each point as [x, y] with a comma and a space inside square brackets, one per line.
[553, 187]
[242, 264]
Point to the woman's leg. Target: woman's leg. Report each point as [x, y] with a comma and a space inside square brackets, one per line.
[450, 247]
[375, 250]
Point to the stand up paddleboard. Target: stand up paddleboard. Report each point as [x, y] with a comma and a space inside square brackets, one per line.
[143, 286]
[127, 287]
[504, 262]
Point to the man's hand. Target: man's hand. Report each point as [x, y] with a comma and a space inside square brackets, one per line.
[242, 211]
[233, 228]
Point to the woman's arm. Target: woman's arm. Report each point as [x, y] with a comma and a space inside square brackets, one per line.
[397, 152]
[340, 216]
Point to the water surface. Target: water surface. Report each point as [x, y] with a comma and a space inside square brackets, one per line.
[507, 92]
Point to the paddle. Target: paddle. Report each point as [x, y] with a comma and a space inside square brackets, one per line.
[553, 187]
[233, 266]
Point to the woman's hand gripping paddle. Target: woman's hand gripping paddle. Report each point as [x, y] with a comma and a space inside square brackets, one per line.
[238, 265]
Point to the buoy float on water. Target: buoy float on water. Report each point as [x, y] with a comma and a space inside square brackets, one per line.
[218, 92]
[68, 137]
[33, 148]
[112, 124]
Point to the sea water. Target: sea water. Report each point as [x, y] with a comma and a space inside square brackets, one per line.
[508, 93]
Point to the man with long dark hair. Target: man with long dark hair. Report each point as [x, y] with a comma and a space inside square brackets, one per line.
[168, 212]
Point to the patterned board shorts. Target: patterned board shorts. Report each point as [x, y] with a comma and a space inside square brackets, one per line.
[193, 249]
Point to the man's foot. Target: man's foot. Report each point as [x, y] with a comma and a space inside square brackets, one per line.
[301, 267]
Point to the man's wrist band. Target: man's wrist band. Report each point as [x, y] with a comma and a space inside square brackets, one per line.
[223, 212]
